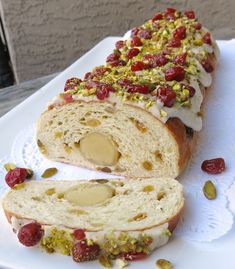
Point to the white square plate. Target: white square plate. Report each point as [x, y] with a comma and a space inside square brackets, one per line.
[183, 254]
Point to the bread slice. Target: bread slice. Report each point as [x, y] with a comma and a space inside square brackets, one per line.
[126, 139]
[107, 210]
[134, 116]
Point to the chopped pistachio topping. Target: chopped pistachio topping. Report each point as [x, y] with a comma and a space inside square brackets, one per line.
[152, 73]
[113, 245]
[58, 240]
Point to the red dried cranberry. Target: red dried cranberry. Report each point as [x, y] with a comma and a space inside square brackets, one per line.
[147, 57]
[138, 65]
[197, 26]
[166, 95]
[132, 53]
[174, 43]
[190, 14]
[156, 25]
[102, 91]
[133, 256]
[180, 59]
[158, 60]
[30, 234]
[170, 13]
[117, 63]
[100, 71]
[146, 34]
[79, 234]
[207, 66]
[180, 33]
[213, 166]
[134, 31]
[170, 10]
[157, 17]
[68, 97]
[175, 73]
[124, 82]
[81, 251]
[207, 38]
[92, 84]
[88, 75]
[191, 90]
[144, 89]
[119, 44]
[16, 176]
[113, 57]
[136, 42]
[72, 83]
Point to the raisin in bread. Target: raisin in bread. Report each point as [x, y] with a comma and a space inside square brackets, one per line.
[140, 113]
[144, 210]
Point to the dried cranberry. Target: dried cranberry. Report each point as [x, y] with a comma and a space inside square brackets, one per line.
[138, 65]
[102, 91]
[136, 41]
[156, 25]
[180, 59]
[180, 33]
[134, 31]
[92, 84]
[146, 34]
[213, 166]
[124, 82]
[68, 97]
[133, 256]
[30, 234]
[190, 14]
[72, 83]
[207, 66]
[119, 44]
[174, 43]
[113, 57]
[100, 71]
[79, 234]
[157, 17]
[170, 13]
[207, 38]
[170, 10]
[175, 73]
[117, 63]
[158, 60]
[88, 75]
[81, 251]
[191, 90]
[166, 95]
[16, 176]
[132, 53]
[144, 89]
[197, 26]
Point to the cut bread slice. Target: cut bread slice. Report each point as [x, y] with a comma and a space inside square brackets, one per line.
[124, 140]
[107, 210]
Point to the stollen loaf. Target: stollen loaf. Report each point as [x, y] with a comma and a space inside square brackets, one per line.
[119, 216]
[140, 113]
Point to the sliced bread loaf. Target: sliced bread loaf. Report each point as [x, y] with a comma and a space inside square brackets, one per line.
[143, 210]
[140, 113]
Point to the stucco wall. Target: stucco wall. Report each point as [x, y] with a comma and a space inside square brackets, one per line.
[46, 36]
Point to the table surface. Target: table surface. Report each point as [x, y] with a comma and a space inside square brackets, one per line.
[12, 96]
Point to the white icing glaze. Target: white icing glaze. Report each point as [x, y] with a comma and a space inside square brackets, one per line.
[159, 234]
